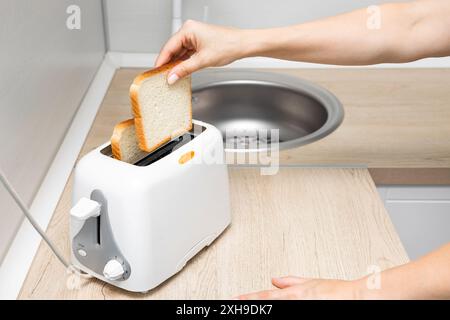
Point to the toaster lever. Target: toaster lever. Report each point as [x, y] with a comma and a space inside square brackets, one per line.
[85, 209]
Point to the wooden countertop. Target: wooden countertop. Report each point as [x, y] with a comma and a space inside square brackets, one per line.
[394, 118]
[310, 222]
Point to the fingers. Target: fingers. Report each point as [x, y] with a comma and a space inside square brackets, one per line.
[263, 295]
[185, 68]
[180, 54]
[285, 282]
[288, 288]
[172, 48]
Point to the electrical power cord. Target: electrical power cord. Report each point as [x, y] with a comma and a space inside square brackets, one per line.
[33, 222]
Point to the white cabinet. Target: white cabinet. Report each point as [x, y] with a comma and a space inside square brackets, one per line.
[421, 215]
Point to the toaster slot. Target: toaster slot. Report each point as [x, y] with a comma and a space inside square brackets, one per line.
[164, 150]
[98, 230]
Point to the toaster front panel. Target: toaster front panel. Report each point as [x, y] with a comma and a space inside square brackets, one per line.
[94, 245]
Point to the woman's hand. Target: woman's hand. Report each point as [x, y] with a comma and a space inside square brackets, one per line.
[293, 288]
[201, 45]
[426, 278]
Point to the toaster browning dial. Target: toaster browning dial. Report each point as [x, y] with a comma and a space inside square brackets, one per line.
[113, 270]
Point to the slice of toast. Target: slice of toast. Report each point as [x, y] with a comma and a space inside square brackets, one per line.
[161, 112]
[124, 144]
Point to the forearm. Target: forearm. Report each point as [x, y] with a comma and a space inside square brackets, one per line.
[426, 278]
[408, 31]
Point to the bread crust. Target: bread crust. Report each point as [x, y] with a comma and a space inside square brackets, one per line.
[117, 136]
[135, 107]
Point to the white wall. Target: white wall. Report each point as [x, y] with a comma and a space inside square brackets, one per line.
[269, 13]
[144, 25]
[137, 25]
[45, 70]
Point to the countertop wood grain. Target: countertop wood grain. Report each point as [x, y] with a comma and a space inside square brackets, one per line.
[394, 118]
[309, 222]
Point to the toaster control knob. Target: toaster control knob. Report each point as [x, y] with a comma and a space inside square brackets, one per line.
[113, 270]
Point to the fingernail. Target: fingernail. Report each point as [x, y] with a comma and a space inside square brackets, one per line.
[172, 78]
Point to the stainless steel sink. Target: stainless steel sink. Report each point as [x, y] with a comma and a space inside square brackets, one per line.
[242, 100]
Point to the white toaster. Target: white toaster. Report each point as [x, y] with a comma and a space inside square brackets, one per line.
[136, 225]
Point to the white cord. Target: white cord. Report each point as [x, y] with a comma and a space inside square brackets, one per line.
[33, 222]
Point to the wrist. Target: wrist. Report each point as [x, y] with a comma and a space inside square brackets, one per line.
[402, 282]
[365, 289]
[255, 42]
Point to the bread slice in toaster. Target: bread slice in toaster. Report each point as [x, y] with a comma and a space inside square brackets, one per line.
[124, 143]
[161, 112]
